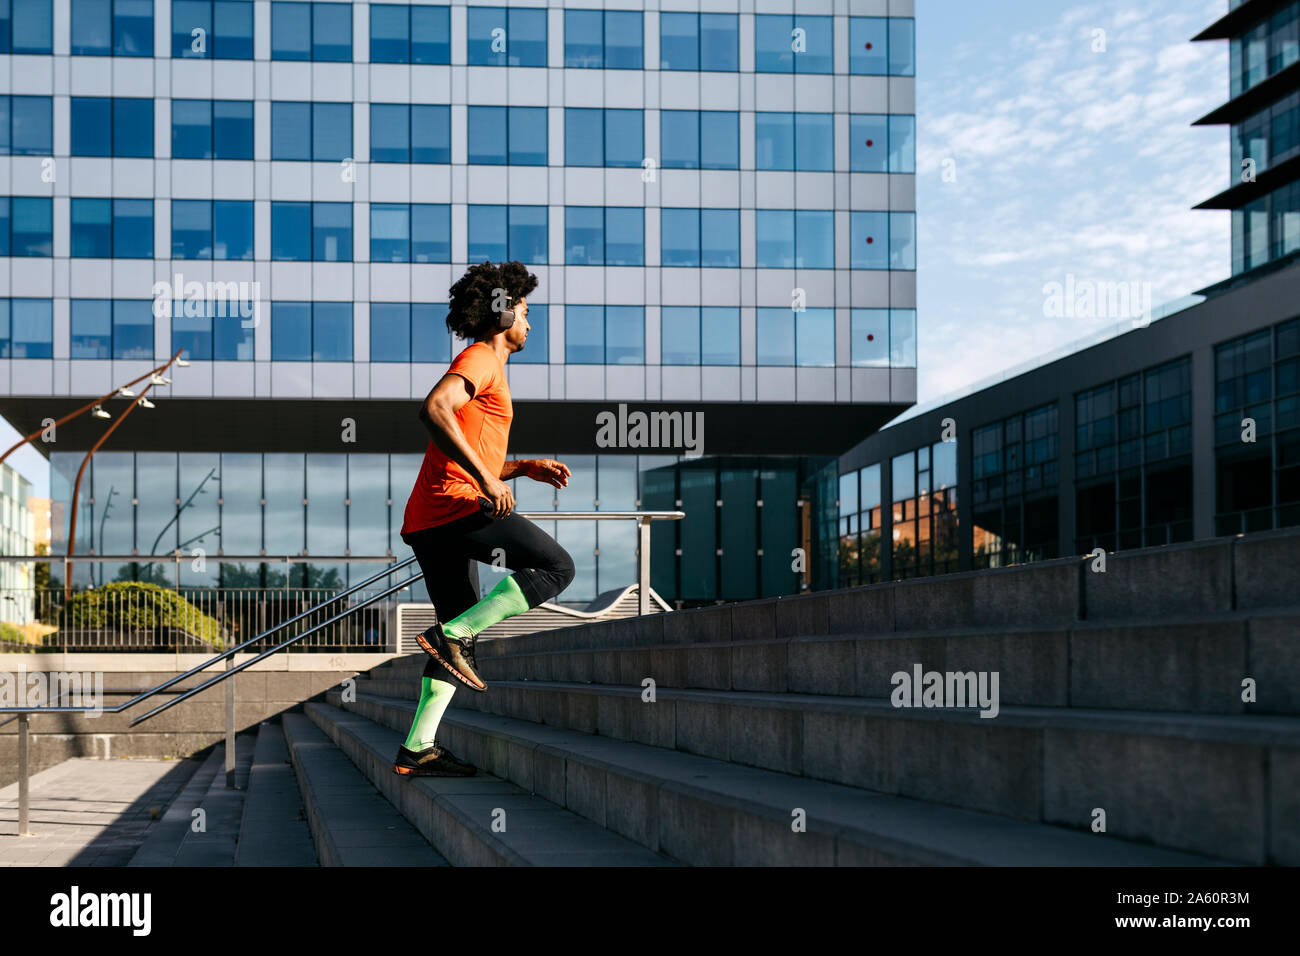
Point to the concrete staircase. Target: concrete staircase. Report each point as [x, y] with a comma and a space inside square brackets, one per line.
[1121, 692]
[764, 733]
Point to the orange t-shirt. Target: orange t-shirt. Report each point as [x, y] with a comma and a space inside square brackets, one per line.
[444, 491]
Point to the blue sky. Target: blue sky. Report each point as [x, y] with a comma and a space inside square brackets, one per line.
[1067, 162]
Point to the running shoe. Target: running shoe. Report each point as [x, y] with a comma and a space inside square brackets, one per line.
[433, 761]
[454, 653]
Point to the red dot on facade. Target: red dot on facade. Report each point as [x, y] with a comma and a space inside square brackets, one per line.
[871, 142]
[870, 240]
[868, 46]
[870, 337]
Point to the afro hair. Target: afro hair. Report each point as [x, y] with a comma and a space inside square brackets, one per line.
[472, 298]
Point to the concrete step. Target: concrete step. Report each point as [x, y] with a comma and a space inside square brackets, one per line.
[1218, 576]
[703, 811]
[1225, 786]
[480, 820]
[1195, 665]
[350, 822]
[223, 810]
[273, 831]
[164, 840]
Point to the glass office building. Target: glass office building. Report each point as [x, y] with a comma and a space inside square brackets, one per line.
[719, 204]
[1263, 117]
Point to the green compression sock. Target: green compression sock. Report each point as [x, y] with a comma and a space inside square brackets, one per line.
[435, 695]
[503, 601]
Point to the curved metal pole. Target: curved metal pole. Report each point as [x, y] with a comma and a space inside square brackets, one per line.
[84, 408]
[72, 532]
[76, 489]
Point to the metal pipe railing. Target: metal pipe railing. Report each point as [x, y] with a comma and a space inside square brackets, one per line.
[642, 518]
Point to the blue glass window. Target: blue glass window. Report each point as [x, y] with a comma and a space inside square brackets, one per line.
[596, 137]
[583, 44]
[430, 134]
[498, 135]
[401, 232]
[902, 47]
[311, 331]
[192, 329]
[679, 335]
[598, 39]
[695, 238]
[774, 336]
[132, 328]
[406, 332]
[584, 237]
[26, 226]
[584, 335]
[212, 129]
[902, 144]
[699, 41]
[528, 240]
[103, 126]
[204, 229]
[26, 328]
[815, 337]
[795, 141]
[774, 238]
[91, 228]
[311, 131]
[624, 236]
[868, 46]
[430, 340]
[410, 34]
[90, 328]
[430, 232]
[331, 331]
[902, 240]
[27, 26]
[214, 330]
[869, 150]
[778, 48]
[390, 329]
[497, 36]
[291, 332]
[212, 29]
[720, 335]
[390, 132]
[488, 233]
[26, 125]
[814, 239]
[331, 231]
[536, 350]
[133, 228]
[390, 232]
[111, 28]
[232, 229]
[695, 139]
[311, 31]
[613, 235]
[902, 338]
[869, 238]
[869, 338]
[624, 335]
[291, 231]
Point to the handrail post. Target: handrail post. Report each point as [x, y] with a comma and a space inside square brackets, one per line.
[230, 728]
[24, 783]
[643, 566]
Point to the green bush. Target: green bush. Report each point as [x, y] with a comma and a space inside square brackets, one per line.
[138, 606]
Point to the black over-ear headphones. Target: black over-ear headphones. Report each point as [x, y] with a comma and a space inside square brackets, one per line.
[506, 319]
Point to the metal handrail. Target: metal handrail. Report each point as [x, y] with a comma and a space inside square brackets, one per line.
[643, 519]
[117, 709]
